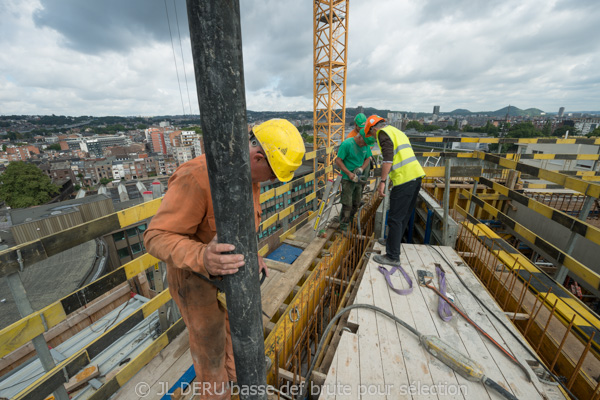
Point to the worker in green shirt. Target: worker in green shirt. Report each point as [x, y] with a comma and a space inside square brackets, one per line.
[352, 159]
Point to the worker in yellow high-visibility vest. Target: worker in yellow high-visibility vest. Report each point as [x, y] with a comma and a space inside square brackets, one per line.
[405, 172]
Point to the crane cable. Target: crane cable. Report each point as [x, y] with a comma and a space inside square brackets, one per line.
[174, 58]
[182, 59]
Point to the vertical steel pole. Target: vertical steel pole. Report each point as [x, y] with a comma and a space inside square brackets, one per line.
[215, 34]
[446, 239]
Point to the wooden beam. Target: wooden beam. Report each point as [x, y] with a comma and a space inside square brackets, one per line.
[291, 278]
[277, 265]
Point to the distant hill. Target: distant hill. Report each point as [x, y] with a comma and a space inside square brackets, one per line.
[515, 112]
[460, 111]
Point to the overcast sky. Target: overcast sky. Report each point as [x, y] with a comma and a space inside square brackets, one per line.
[114, 57]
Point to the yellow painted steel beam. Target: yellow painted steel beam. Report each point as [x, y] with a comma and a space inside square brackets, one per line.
[286, 211]
[582, 228]
[48, 382]
[453, 139]
[47, 246]
[577, 268]
[581, 186]
[24, 330]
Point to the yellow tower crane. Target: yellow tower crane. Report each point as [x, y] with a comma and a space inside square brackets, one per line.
[330, 26]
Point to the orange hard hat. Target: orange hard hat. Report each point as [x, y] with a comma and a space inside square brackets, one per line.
[372, 120]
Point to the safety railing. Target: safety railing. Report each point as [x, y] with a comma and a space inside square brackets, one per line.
[560, 328]
[32, 326]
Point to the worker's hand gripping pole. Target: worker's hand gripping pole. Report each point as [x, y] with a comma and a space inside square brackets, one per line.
[215, 34]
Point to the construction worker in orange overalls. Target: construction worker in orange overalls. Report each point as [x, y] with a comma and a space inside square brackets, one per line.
[359, 123]
[183, 234]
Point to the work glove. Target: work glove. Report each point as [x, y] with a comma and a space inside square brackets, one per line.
[358, 171]
[355, 178]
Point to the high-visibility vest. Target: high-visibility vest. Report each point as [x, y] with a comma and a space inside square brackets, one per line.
[405, 166]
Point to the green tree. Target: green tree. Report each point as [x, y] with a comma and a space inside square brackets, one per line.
[547, 129]
[105, 181]
[430, 128]
[595, 132]
[3, 147]
[54, 146]
[523, 130]
[490, 129]
[467, 128]
[561, 131]
[415, 125]
[307, 138]
[25, 185]
[196, 129]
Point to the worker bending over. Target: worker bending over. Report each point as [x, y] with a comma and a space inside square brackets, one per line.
[352, 159]
[405, 172]
[183, 234]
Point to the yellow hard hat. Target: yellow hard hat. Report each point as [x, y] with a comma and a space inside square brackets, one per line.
[283, 146]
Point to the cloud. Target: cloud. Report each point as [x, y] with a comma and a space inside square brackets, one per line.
[116, 57]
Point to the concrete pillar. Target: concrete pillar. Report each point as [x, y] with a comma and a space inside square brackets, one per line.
[562, 273]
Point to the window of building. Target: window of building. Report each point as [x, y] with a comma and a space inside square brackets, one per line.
[118, 236]
[122, 253]
[136, 248]
[132, 232]
[142, 228]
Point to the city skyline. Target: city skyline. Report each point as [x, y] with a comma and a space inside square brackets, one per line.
[114, 58]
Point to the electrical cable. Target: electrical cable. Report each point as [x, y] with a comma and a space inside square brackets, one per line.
[174, 58]
[531, 353]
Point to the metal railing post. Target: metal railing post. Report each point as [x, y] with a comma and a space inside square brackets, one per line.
[39, 342]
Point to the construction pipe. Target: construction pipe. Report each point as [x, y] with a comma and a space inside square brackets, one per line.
[215, 34]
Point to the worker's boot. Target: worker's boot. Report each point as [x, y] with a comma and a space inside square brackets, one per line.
[345, 217]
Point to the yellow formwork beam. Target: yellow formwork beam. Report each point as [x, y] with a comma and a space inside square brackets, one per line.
[583, 272]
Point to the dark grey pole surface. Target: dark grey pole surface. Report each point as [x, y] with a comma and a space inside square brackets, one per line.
[215, 33]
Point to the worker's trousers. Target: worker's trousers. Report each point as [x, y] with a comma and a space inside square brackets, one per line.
[402, 203]
[350, 199]
[208, 329]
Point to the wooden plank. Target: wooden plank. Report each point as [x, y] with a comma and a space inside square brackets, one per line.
[172, 375]
[277, 265]
[296, 243]
[155, 369]
[371, 367]
[328, 391]
[413, 353]
[457, 332]
[394, 367]
[487, 322]
[423, 322]
[517, 316]
[348, 366]
[82, 378]
[292, 277]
